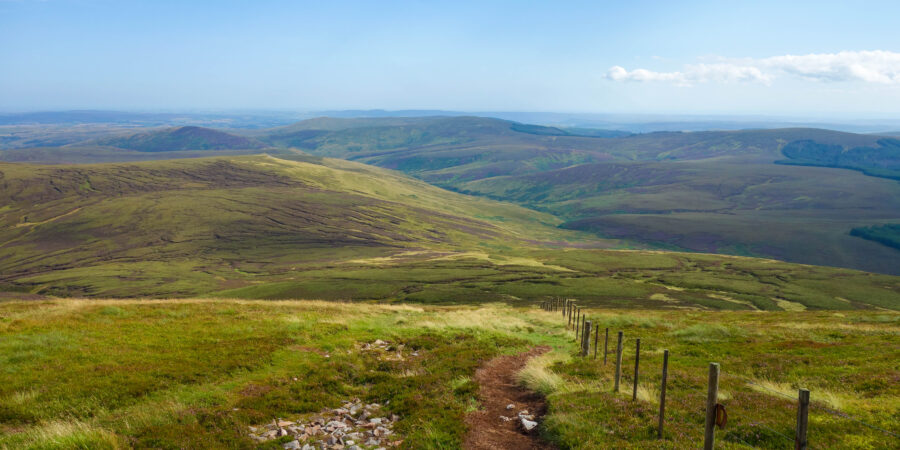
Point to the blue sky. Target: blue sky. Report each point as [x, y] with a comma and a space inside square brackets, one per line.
[817, 58]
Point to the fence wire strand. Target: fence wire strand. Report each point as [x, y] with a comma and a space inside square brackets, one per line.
[818, 405]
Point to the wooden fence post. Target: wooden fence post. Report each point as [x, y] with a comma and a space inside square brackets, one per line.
[596, 339]
[577, 322]
[618, 363]
[583, 320]
[637, 365]
[605, 346]
[662, 394]
[712, 395]
[800, 442]
[586, 338]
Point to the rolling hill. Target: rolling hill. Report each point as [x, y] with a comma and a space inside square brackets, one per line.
[269, 228]
[181, 138]
[128, 222]
[717, 191]
[770, 193]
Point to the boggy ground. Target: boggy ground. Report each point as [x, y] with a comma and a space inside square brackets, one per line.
[199, 373]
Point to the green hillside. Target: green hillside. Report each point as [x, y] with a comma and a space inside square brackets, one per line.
[750, 192]
[801, 214]
[177, 226]
[717, 191]
[262, 227]
[195, 373]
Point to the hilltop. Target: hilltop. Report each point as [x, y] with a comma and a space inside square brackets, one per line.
[181, 138]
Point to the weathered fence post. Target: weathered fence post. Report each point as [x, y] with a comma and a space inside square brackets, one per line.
[577, 322]
[586, 339]
[605, 345]
[712, 395]
[637, 364]
[800, 442]
[583, 320]
[662, 394]
[618, 363]
[596, 339]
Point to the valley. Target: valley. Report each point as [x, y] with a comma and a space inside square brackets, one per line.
[730, 192]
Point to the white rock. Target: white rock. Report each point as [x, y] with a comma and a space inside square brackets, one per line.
[510, 406]
[528, 425]
[293, 445]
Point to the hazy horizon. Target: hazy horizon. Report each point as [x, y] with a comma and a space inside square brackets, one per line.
[806, 59]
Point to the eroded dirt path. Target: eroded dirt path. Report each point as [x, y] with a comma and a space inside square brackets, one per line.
[497, 389]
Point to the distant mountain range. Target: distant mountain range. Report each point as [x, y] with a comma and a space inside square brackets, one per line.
[631, 123]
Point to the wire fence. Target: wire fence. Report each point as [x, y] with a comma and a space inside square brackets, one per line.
[576, 318]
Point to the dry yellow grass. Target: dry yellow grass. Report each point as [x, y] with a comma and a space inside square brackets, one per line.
[789, 305]
[65, 434]
[537, 376]
[648, 393]
[824, 396]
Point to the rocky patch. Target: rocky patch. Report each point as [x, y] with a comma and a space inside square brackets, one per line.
[353, 426]
[388, 351]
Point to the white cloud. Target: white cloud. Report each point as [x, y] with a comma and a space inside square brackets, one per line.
[864, 66]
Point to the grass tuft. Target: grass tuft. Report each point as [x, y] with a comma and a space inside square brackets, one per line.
[537, 375]
[65, 434]
[829, 398]
[703, 332]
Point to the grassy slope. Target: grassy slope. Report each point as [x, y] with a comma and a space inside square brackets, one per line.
[260, 227]
[799, 214]
[195, 373]
[764, 359]
[728, 177]
[88, 228]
